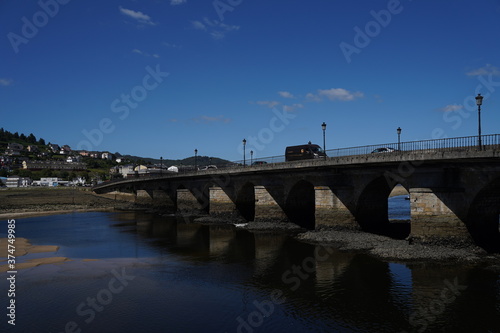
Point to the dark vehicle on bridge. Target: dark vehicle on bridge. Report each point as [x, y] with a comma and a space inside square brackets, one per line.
[303, 152]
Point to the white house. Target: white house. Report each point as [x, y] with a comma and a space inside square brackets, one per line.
[107, 156]
[16, 181]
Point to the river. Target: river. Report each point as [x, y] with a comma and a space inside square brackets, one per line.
[134, 272]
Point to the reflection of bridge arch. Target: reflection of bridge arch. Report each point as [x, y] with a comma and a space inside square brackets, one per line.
[245, 201]
[300, 204]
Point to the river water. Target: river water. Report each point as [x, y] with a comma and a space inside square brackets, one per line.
[133, 272]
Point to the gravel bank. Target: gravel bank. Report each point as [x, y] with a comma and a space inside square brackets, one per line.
[389, 248]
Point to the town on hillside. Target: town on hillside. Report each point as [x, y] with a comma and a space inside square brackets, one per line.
[26, 161]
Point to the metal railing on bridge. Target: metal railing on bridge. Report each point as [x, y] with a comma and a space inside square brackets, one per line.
[491, 141]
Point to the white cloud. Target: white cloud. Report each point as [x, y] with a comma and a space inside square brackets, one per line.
[216, 29]
[452, 107]
[269, 104]
[198, 25]
[177, 2]
[313, 98]
[335, 94]
[285, 94]
[486, 70]
[5, 82]
[139, 16]
[291, 108]
[137, 51]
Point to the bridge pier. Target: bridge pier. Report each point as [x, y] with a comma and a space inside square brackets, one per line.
[269, 203]
[188, 203]
[144, 197]
[330, 211]
[434, 215]
[221, 204]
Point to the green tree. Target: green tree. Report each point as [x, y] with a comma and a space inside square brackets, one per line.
[31, 138]
[46, 173]
[41, 142]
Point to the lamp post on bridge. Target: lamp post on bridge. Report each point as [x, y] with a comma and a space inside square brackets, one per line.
[399, 138]
[196, 159]
[479, 102]
[251, 157]
[244, 157]
[161, 165]
[323, 126]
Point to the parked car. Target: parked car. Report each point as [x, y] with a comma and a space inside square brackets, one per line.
[259, 163]
[207, 167]
[383, 150]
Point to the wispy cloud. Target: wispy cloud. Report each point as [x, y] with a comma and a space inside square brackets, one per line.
[292, 108]
[452, 107]
[334, 94]
[269, 104]
[216, 29]
[485, 70]
[145, 54]
[136, 15]
[5, 82]
[285, 94]
[198, 25]
[177, 2]
[210, 119]
[173, 46]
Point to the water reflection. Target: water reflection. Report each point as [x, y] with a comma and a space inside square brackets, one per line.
[227, 279]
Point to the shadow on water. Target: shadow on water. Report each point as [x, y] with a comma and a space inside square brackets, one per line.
[213, 278]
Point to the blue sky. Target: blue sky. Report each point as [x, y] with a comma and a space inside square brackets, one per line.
[163, 77]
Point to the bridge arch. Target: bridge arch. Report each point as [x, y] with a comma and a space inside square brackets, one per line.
[245, 201]
[300, 204]
[483, 217]
[372, 205]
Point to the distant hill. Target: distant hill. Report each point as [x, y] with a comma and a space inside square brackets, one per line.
[200, 160]
[7, 137]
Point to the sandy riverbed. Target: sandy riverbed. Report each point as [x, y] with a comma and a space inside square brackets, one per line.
[22, 248]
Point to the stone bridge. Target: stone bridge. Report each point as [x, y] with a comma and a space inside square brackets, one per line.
[454, 193]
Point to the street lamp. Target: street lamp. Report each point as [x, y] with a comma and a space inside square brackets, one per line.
[196, 159]
[323, 126]
[399, 138]
[244, 144]
[161, 165]
[479, 102]
[251, 157]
